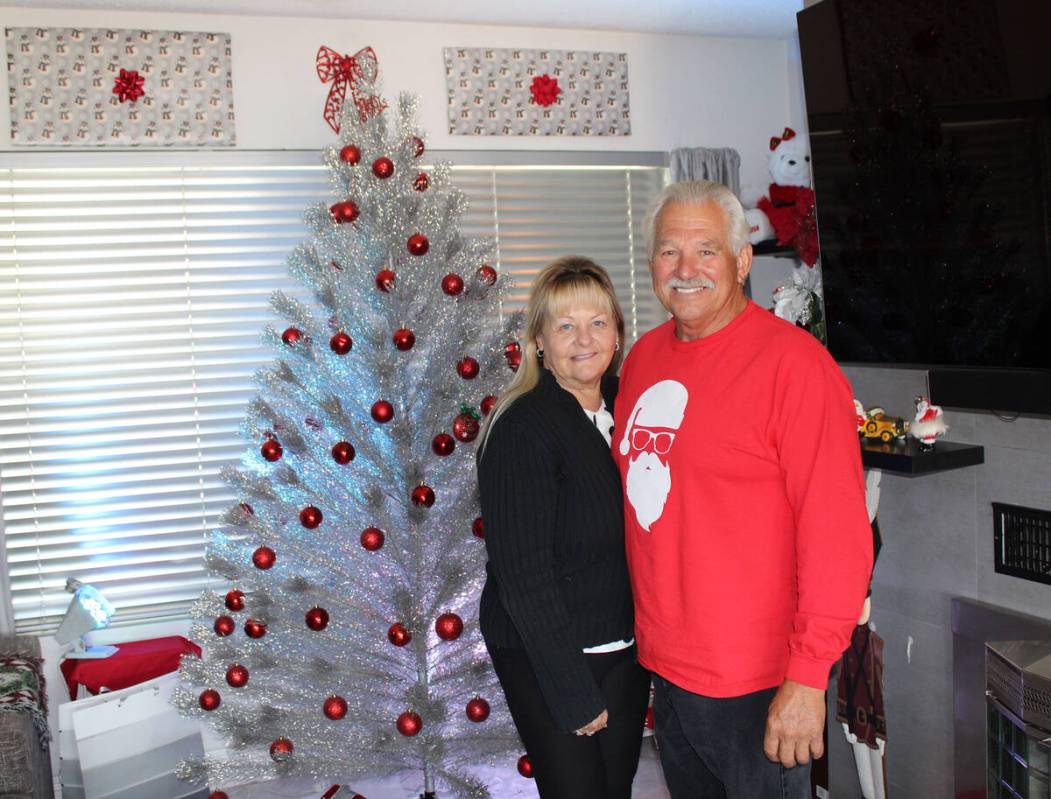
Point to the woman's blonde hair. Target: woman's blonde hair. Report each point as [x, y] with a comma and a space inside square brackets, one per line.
[569, 281]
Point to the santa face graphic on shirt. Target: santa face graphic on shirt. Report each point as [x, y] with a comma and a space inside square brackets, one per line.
[648, 438]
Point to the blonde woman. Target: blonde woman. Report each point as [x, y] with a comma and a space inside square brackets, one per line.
[556, 611]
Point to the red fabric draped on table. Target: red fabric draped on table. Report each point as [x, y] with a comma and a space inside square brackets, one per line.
[133, 663]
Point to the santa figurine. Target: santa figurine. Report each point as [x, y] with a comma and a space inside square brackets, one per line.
[929, 424]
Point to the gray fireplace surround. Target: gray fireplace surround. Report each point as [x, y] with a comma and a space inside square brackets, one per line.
[973, 624]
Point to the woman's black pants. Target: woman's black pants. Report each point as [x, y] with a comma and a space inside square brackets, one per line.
[569, 766]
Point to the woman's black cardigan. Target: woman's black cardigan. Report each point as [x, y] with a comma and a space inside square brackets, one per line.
[557, 577]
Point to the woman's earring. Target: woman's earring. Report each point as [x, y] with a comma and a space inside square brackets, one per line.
[616, 346]
[540, 352]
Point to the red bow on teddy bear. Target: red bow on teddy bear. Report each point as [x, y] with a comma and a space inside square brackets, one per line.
[786, 134]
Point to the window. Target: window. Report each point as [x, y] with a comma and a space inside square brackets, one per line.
[133, 287]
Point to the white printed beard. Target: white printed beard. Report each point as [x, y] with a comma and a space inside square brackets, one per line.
[648, 484]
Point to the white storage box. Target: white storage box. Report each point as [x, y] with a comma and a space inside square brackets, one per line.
[126, 744]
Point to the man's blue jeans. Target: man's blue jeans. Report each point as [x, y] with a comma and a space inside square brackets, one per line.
[713, 748]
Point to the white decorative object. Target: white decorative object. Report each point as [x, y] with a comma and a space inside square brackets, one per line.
[794, 300]
[869, 764]
[521, 92]
[125, 744]
[85, 87]
[88, 610]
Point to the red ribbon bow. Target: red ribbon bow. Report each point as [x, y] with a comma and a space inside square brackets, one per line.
[359, 71]
[786, 134]
[128, 86]
[544, 90]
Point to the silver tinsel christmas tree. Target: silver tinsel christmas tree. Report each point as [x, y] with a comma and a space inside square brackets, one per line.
[348, 645]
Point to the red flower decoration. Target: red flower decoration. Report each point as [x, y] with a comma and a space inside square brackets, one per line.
[545, 90]
[128, 87]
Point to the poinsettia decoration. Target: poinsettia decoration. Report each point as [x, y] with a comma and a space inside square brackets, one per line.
[545, 90]
[128, 86]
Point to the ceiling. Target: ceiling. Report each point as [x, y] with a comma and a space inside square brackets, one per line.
[759, 18]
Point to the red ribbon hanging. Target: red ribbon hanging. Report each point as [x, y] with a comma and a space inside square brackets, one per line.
[359, 71]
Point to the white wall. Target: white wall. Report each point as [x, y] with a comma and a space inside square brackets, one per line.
[685, 90]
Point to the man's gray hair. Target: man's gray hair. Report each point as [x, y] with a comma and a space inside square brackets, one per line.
[699, 192]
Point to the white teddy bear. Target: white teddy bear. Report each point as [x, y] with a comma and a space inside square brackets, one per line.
[786, 213]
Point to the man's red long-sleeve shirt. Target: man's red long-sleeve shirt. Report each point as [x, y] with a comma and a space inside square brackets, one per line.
[755, 566]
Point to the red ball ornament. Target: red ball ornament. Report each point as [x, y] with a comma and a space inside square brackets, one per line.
[443, 445]
[409, 724]
[404, 339]
[417, 244]
[525, 767]
[209, 700]
[449, 626]
[291, 335]
[465, 427]
[486, 274]
[264, 558]
[317, 619]
[478, 528]
[255, 629]
[382, 411]
[452, 284]
[477, 710]
[398, 635]
[351, 154]
[372, 539]
[383, 167]
[224, 626]
[385, 280]
[514, 360]
[237, 676]
[281, 750]
[421, 182]
[512, 347]
[417, 146]
[341, 343]
[345, 211]
[423, 496]
[343, 453]
[271, 450]
[218, 795]
[310, 517]
[235, 600]
[467, 368]
[487, 404]
[335, 708]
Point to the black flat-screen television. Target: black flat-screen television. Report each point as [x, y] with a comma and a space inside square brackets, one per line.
[930, 131]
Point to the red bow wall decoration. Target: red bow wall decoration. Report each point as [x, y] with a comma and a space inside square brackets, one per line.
[786, 134]
[359, 71]
[128, 86]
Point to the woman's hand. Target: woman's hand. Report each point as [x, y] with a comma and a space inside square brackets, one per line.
[596, 725]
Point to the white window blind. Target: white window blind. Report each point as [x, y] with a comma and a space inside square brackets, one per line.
[133, 287]
[537, 214]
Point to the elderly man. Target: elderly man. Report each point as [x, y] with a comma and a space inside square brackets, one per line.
[748, 541]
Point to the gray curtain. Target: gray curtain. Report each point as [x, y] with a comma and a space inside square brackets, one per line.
[721, 164]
